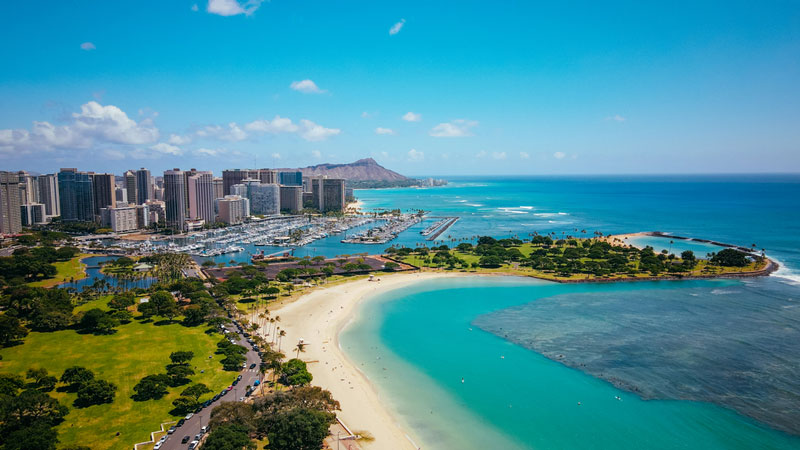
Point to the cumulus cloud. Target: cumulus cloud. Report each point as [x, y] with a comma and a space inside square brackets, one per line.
[313, 132]
[306, 87]
[499, 155]
[559, 155]
[454, 128]
[176, 139]
[412, 117]
[167, 149]
[616, 118]
[414, 155]
[233, 7]
[524, 155]
[87, 46]
[209, 151]
[195, 8]
[397, 27]
[95, 123]
[316, 154]
[481, 154]
[232, 133]
[276, 125]
[381, 130]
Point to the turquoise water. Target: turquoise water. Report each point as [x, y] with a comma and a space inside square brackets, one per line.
[522, 382]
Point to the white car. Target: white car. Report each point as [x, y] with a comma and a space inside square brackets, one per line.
[158, 445]
[189, 416]
[193, 444]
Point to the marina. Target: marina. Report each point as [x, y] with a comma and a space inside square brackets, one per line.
[387, 232]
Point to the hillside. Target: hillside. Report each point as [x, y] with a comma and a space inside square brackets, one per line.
[362, 170]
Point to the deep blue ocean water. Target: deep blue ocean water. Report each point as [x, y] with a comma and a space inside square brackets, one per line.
[686, 364]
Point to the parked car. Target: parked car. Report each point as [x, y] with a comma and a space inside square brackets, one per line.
[189, 416]
[256, 383]
[181, 422]
[203, 429]
[239, 377]
[158, 445]
[197, 437]
[171, 430]
[193, 445]
[235, 382]
[185, 439]
[253, 366]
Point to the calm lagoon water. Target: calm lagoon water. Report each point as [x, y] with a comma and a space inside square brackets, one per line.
[685, 364]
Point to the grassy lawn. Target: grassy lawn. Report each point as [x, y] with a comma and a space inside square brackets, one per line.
[66, 270]
[136, 350]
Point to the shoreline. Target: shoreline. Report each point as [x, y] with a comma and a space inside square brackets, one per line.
[318, 318]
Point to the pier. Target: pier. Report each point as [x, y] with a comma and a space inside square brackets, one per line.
[441, 227]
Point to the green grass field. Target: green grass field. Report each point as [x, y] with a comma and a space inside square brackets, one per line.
[66, 270]
[136, 350]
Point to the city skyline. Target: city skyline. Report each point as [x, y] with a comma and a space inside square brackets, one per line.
[424, 89]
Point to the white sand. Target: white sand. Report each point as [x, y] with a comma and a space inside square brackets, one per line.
[317, 318]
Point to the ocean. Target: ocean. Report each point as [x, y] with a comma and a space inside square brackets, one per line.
[518, 363]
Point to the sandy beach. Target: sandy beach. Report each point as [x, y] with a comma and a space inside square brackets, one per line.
[317, 318]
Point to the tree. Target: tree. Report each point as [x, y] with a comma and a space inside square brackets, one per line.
[11, 330]
[121, 301]
[184, 404]
[10, 384]
[179, 374]
[490, 261]
[181, 356]
[196, 391]
[730, 258]
[151, 387]
[391, 266]
[76, 376]
[298, 429]
[95, 392]
[36, 375]
[688, 258]
[98, 321]
[295, 373]
[231, 437]
[164, 304]
[193, 316]
[39, 436]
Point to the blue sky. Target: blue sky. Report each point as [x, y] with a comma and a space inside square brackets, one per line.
[439, 88]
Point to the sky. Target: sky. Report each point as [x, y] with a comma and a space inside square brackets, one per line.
[425, 88]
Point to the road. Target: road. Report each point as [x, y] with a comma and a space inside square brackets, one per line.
[192, 426]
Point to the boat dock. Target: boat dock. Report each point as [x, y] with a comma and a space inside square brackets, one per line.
[440, 227]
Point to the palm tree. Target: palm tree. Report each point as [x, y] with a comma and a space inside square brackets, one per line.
[301, 347]
[281, 334]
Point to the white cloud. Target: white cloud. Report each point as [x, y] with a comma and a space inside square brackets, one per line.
[306, 87]
[232, 133]
[176, 139]
[385, 155]
[277, 125]
[94, 124]
[524, 155]
[88, 46]
[167, 149]
[412, 117]
[414, 155]
[381, 130]
[195, 8]
[113, 154]
[209, 151]
[233, 7]
[316, 154]
[559, 155]
[397, 27]
[365, 115]
[481, 154]
[454, 128]
[276, 156]
[313, 132]
[499, 155]
[616, 118]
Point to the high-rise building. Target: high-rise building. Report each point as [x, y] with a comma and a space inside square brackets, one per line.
[48, 194]
[75, 195]
[232, 177]
[174, 199]
[10, 220]
[142, 216]
[265, 199]
[129, 183]
[239, 189]
[233, 209]
[291, 199]
[123, 218]
[157, 211]
[32, 214]
[28, 188]
[121, 194]
[103, 185]
[144, 186]
[219, 192]
[291, 178]
[201, 196]
[329, 193]
[268, 176]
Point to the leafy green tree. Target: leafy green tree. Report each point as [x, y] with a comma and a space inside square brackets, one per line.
[10, 384]
[95, 392]
[76, 376]
[730, 258]
[39, 436]
[490, 261]
[231, 437]
[164, 304]
[184, 404]
[151, 387]
[179, 374]
[193, 316]
[98, 321]
[181, 357]
[295, 373]
[11, 330]
[122, 301]
[196, 391]
[298, 429]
